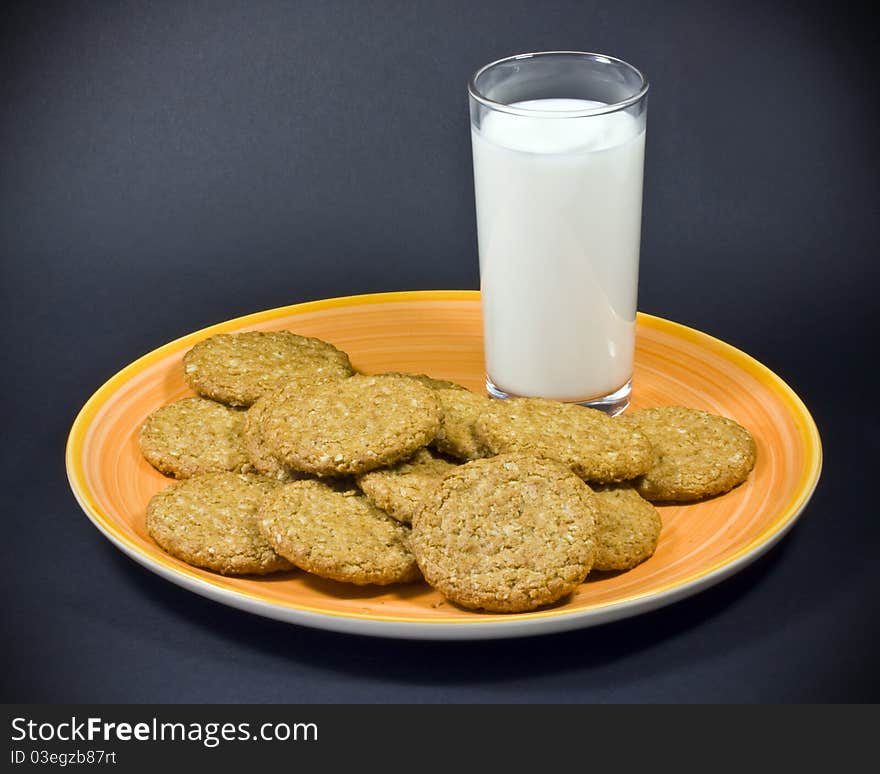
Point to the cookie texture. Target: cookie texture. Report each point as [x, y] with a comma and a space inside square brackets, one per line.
[210, 521]
[237, 368]
[428, 381]
[506, 534]
[333, 531]
[696, 454]
[261, 458]
[193, 436]
[456, 436]
[627, 527]
[402, 489]
[351, 426]
[595, 446]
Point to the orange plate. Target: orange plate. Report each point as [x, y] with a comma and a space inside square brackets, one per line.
[439, 332]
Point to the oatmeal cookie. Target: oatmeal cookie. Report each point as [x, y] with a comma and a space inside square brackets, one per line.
[261, 458]
[627, 527]
[401, 489]
[333, 531]
[210, 521]
[237, 368]
[506, 534]
[697, 454]
[595, 446]
[456, 436]
[193, 436]
[351, 426]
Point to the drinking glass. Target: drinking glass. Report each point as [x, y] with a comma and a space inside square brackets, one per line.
[558, 142]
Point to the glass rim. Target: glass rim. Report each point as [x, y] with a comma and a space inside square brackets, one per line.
[534, 113]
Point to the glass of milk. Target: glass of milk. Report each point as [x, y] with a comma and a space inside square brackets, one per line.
[559, 144]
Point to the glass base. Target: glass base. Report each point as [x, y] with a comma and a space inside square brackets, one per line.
[612, 404]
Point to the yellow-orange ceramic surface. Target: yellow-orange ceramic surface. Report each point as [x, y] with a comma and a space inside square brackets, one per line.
[439, 333]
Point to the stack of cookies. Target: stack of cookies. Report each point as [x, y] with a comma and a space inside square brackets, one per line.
[289, 459]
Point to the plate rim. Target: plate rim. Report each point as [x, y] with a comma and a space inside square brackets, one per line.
[490, 626]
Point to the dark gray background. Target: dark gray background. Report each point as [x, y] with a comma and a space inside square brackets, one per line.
[166, 166]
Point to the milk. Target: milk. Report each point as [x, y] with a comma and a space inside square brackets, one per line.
[558, 204]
